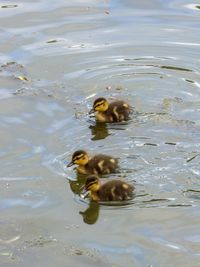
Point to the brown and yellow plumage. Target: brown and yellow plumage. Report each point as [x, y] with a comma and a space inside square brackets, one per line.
[114, 190]
[98, 164]
[115, 111]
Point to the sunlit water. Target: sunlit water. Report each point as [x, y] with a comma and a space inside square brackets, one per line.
[56, 58]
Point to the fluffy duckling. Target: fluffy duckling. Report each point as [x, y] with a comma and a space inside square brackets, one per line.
[115, 111]
[99, 164]
[114, 190]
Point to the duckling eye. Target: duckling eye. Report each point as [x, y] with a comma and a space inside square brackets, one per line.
[76, 159]
[97, 105]
[90, 185]
[100, 104]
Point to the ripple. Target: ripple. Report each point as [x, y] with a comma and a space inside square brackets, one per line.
[10, 233]
[19, 178]
[140, 200]
[5, 93]
[184, 43]
[192, 6]
[111, 71]
[7, 203]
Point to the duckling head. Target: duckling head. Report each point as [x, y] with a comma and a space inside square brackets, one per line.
[100, 104]
[92, 183]
[80, 157]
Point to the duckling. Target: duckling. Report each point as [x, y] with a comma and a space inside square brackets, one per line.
[99, 164]
[115, 111]
[114, 190]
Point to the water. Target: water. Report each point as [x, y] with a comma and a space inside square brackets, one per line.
[56, 58]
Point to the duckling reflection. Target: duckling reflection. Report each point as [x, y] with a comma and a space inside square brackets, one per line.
[115, 111]
[78, 184]
[98, 164]
[99, 131]
[91, 214]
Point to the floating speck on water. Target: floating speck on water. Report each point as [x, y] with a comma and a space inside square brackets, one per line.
[190, 159]
[91, 96]
[22, 78]
[170, 143]
[150, 144]
[53, 41]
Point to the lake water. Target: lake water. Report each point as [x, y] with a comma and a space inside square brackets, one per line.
[56, 57]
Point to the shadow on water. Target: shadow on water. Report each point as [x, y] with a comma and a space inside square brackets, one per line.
[99, 130]
[77, 185]
[91, 214]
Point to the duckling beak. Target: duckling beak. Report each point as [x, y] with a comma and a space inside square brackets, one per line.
[91, 111]
[70, 164]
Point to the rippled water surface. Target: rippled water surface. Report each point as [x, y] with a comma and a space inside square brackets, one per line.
[56, 57]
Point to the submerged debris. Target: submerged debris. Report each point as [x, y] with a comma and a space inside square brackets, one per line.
[119, 88]
[11, 64]
[40, 241]
[15, 71]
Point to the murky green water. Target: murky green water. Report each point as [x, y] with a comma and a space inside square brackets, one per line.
[56, 58]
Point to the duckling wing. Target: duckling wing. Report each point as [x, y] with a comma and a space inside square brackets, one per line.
[116, 190]
[119, 110]
[107, 191]
[103, 164]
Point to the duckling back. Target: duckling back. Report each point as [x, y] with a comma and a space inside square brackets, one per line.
[119, 111]
[102, 164]
[115, 190]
